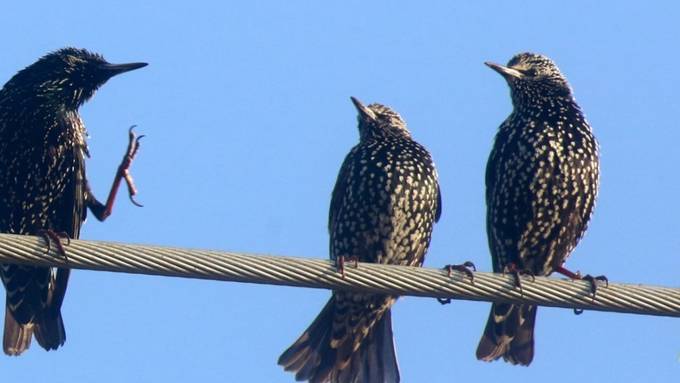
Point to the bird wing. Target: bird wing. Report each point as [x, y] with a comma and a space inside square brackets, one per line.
[340, 188]
[438, 214]
[71, 209]
[535, 216]
[31, 203]
[508, 211]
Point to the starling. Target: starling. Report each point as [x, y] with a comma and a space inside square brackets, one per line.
[541, 183]
[384, 204]
[43, 188]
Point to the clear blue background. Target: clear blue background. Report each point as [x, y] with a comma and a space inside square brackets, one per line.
[246, 107]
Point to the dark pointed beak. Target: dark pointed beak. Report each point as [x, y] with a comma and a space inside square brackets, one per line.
[504, 71]
[363, 111]
[116, 69]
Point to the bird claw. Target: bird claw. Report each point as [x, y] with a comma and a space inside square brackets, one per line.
[133, 143]
[123, 173]
[463, 268]
[593, 286]
[132, 190]
[123, 169]
[51, 236]
[593, 282]
[577, 276]
[517, 273]
[444, 301]
[340, 263]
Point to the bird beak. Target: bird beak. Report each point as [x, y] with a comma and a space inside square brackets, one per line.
[115, 69]
[504, 71]
[363, 111]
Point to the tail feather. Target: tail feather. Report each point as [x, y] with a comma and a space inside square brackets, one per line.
[509, 333]
[305, 356]
[376, 359]
[17, 337]
[49, 331]
[313, 357]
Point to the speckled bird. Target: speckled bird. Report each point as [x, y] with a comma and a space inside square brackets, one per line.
[383, 208]
[541, 183]
[43, 188]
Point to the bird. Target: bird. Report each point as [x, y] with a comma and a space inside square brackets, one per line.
[383, 208]
[542, 180]
[44, 189]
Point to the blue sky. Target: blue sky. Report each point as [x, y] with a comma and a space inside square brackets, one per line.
[247, 115]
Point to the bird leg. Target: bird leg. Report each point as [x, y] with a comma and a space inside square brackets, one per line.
[340, 263]
[463, 268]
[577, 276]
[512, 269]
[50, 236]
[104, 211]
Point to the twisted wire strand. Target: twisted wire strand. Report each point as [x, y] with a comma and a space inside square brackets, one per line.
[317, 273]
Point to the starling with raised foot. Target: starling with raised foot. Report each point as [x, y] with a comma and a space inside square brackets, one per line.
[43, 188]
[541, 183]
[384, 205]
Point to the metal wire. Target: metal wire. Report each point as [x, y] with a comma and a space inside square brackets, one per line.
[317, 273]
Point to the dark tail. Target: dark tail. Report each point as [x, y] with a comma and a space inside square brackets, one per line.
[49, 331]
[509, 333]
[312, 357]
[17, 337]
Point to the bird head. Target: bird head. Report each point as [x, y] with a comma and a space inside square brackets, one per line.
[377, 120]
[531, 75]
[68, 77]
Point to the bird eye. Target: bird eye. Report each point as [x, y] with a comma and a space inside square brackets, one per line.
[531, 72]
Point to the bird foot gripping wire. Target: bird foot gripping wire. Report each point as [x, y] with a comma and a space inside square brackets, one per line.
[340, 263]
[467, 268]
[517, 273]
[577, 276]
[123, 173]
[51, 236]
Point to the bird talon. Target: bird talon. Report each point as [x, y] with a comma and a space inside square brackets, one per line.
[340, 263]
[51, 236]
[593, 282]
[133, 146]
[131, 134]
[530, 274]
[513, 270]
[132, 190]
[64, 235]
[132, 199]
[578, 311]
[463, 268]
[444, 301]
[577, 276]
[470, 265]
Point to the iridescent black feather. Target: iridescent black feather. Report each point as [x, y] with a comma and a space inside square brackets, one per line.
[384, 205]
[542, 179]
[43, 187]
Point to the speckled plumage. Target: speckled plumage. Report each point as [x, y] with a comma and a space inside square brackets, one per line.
[384, 205]
[542, 179]
[43, 184]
